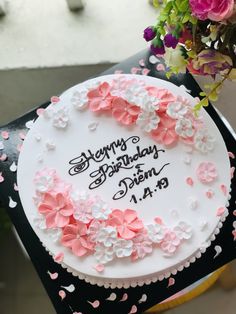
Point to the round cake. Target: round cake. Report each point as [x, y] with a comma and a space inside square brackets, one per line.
[121, 182]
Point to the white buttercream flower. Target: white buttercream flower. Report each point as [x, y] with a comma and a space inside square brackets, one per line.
[142, 245]
[135, 94]
[44, 183]
[203, 141]
[183, 230]
[174, 58]
[176, 110]
[82, 204]
[107, 236]
[94, 228]
[61, 118]
[123, 248]
[40, 222]
[149, 103]
[79, 99]
[103, 254]
[55, 234]
[148, 121]
[184, 128]
[100, 210]
[155, 232]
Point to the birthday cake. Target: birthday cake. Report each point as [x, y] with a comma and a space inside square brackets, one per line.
[121, 182]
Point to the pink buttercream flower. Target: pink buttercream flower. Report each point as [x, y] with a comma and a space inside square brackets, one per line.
[165, 132]
[100, 97]
[57, 210]
[206, 172]
[170, 243]
[215, 10]
[124, 112]
[142, 245]
[126, 222]
[163, 95]
[75, 237]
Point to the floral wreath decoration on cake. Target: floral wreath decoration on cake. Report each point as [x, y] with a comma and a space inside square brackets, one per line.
[85, 223]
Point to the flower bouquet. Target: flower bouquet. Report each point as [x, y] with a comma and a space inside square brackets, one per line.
[198, 35]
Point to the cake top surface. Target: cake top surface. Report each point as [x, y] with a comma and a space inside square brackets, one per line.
[118, 172]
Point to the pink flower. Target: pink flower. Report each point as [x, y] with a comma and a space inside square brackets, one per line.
[206, 172]
[170, 242]
[165, 132]
[75, 237]
[215, 10]
[124, 112]
[57, 209]
[126, 222]
[142, 246]
[164, 96]
[100, 98]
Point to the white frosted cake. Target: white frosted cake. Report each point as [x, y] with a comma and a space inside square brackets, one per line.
[122, 184]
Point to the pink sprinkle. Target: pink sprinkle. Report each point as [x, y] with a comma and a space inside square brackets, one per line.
[55, 99]
[62, 294]
[118, 72]
[53, 276]
[158, 220]
[209, 193]
[141, 63]
[16, 187]
[223, 189]
[59, 257]
[94, 304]
[19, 147]
[5, 135]
[160, 67]
[189, 181]
[3, 157]
[232, 170]
[145, 71]
[234, 234]
[135, 70]
[124, 297]
[234, 212]
[133, 309]
[22, 136]
[99, 268]
[171, 282]
[1, 177]
[40, 111]
[231, 155]
[220, 211]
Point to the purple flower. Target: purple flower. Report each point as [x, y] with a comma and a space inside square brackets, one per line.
[170, 41]
[149, 33]
[158, 50]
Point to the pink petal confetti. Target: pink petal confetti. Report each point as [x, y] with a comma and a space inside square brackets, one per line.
[223, 189]
[234, 212]
[40, 111]
[12, 204]
[220, 211]
[112, 297]
[135, 70]
[5, 135]
[158, 220]
[99, 268]
[209, 193]
[118, 72]
[160, 67]
[145, 71]
[70, 288]
[124, 297]
[62, 294]
[171, 282]
[3, 157]
[218, 250]
[95, 304]
[133, 309]
[59, 257]
[16, 187]
[55, 99]
[53, 276]
[1, 177]
[234, 234]
[189, 181]
[231, 155]
[232, 170]
[142, 62]
[19, 147]
[22, 136]
[143, 299]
